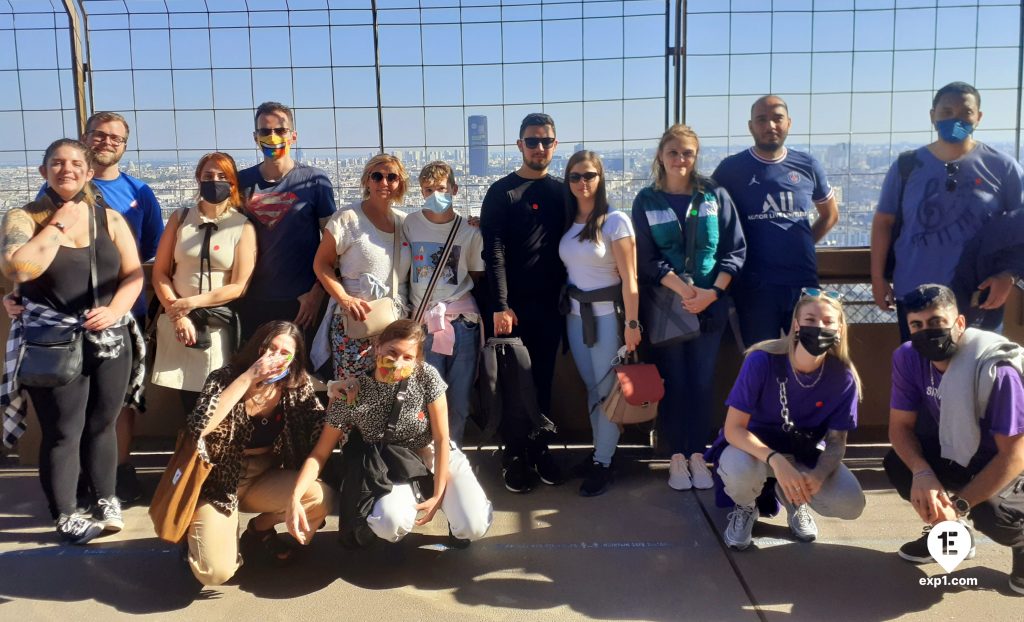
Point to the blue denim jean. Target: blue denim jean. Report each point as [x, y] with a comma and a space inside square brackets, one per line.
[459, 372]
[688, 368]
[593, 364]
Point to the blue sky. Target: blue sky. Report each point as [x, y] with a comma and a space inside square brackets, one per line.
[859, 71]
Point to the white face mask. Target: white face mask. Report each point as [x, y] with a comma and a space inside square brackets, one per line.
[438, 202]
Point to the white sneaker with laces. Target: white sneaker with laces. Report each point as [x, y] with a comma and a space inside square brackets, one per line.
[679, 473]
[738, 533]
[700, 475]
[802, 524]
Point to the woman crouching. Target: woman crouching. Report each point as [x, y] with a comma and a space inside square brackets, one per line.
[791, 394]
[397, 425]
[259, 418]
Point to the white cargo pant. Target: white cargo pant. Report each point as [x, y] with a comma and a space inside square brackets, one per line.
[465, 505]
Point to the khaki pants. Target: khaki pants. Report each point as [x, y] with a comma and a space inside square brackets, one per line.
[213, 536]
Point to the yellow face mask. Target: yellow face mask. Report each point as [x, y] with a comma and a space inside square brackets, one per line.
[274, 146]
[392, 371]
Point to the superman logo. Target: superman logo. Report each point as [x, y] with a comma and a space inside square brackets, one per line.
[271, 207]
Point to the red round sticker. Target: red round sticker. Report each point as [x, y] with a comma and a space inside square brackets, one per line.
[819, 404]
[216, 247]
[535, 206]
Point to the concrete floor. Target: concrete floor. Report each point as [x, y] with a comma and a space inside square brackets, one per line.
[640, 552]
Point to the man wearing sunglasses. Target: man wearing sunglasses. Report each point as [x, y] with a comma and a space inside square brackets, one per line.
[929, 210]
[522, 220]
[956, 425]
[777, 191]
[289, 203]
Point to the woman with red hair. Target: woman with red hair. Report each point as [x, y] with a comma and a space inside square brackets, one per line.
[205, 259]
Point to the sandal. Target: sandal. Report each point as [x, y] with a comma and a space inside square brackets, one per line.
[275, 549]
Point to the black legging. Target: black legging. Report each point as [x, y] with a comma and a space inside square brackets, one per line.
[84, 409]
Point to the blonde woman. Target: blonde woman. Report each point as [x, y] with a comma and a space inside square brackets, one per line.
[791, 394]
[699, 269]
[359, 242]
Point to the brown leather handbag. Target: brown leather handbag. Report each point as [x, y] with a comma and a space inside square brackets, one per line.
[635, 394]
[177, 494]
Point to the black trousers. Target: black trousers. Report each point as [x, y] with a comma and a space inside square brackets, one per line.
[1000, 518]
[541, 328]
[82, 411]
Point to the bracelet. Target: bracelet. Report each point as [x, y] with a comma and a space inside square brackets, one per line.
[923, 473]
[768, 460]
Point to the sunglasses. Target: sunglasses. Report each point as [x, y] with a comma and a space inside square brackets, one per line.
[952, 168]
[574, 178]
[533, 142]
[377, 176]
[814, 292]
[267, 131]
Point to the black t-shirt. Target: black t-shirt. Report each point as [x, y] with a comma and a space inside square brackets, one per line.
[522, 221]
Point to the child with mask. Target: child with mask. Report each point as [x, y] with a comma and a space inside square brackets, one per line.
[791, 394]
[451, 316]
[389, 458]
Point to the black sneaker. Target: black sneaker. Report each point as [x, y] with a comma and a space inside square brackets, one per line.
[916, 551]
[127, 489]
[108, 515]
[77, 528]
[546, 467]
[517, 475]
[597, 480]
[1017, 573]
[582, 468]
[457, 543]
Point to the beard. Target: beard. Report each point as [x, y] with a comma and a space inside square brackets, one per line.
[537, 165]
[106, 158]
[774, 145]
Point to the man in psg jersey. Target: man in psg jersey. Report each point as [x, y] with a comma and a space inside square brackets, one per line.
[776, 191]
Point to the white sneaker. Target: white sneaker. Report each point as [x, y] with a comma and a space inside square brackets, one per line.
[802, 524]
[700, 475]
[679, 473]
[738, 533]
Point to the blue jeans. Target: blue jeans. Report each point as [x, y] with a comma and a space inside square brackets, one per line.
[459, 372]
[688, 368]
[593, 364]
[764, 310]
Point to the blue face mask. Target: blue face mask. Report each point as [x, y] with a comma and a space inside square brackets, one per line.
[438, 202]
[953, 130]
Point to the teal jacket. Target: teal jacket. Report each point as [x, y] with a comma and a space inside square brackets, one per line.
[719, 245]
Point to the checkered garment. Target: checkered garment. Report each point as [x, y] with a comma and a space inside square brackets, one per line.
[107, 345]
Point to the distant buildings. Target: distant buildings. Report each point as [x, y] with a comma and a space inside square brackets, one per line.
[477, 145]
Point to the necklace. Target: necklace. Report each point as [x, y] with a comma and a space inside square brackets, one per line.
[797, 373]
[933, 391]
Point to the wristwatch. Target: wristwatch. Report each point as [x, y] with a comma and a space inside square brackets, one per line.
[719, 292]
[960, 504]
[632, 324]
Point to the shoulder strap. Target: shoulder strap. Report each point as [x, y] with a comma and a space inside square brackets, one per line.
[93, 277]
[396, 410]
[691, 223]
[395, 259]
[442, 261]
[905, 164]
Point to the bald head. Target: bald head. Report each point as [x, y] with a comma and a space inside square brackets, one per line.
[769, 125]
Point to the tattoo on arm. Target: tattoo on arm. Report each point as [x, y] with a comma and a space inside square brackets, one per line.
[18, 229]
[832, 456]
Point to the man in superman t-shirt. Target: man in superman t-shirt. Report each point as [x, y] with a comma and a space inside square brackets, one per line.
[288, 203]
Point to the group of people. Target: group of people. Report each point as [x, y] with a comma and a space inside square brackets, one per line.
[401, 309]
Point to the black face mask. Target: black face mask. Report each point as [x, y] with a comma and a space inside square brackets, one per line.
[935, 344]
[214, 191]
[817, 340]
